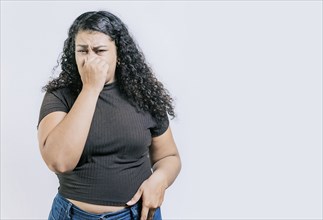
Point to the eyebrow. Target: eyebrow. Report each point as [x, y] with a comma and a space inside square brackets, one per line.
[86, 46]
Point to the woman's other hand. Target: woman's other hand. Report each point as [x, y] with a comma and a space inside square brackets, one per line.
[151, 192]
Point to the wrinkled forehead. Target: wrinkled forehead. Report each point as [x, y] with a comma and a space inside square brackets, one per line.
[92, 38]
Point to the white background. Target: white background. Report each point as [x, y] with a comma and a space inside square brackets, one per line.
[247, 80]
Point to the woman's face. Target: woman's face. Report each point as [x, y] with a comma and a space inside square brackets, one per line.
[93, 43]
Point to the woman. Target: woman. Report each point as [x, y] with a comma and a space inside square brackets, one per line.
[103, 126]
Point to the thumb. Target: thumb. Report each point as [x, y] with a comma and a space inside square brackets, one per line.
[135, 198]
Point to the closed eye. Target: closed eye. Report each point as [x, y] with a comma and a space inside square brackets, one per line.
[82, 51]
[101, 51]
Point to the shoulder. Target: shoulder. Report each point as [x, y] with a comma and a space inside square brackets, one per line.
[63, 94]
[61, 99]
[65, 91]
[160, 127]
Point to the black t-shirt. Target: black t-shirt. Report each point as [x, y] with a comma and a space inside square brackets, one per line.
[115, 160]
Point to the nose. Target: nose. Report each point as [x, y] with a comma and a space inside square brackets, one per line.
[90, 54]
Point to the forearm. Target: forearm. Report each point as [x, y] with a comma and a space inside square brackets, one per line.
[167, 169]
[65, 143]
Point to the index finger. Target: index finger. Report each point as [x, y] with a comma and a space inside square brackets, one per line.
[144, 212]
[151, 214]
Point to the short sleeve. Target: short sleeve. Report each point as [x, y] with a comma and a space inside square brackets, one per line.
[52, 102]
[160, 127]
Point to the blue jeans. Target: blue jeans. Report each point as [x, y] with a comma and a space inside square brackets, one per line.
[62, 209]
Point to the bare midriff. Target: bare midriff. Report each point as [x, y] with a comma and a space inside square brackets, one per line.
[95, 209]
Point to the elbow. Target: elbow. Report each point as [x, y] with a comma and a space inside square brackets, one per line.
[58, 162]
[59, 168]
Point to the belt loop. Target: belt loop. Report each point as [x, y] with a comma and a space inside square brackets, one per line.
[68, 210]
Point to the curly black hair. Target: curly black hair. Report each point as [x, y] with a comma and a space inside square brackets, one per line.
[135, 78]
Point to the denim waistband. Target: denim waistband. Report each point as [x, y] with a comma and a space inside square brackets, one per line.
[73, 212]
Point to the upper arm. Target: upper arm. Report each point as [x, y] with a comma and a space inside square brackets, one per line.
[53, 109]
[47, 124]
[163, 146]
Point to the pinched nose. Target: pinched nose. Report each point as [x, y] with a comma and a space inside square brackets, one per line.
[89, 56]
